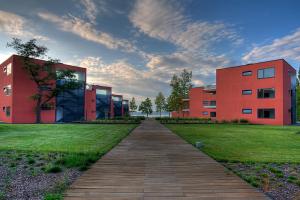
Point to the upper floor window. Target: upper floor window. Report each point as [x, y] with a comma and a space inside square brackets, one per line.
[267, 113]
[246, 92]
[102, 91]
[205, 103]
[266, 93]
[7, 90]
[266, 73]
[247, 73]
[7, 69]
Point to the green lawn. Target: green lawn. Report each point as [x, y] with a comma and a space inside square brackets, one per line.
[68, 138]
[257, 143]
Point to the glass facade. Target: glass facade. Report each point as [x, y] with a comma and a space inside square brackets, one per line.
[103, 103]
[117, 101]
[126, 108]
[70, 103]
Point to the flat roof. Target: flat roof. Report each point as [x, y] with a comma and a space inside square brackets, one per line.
[255, 63]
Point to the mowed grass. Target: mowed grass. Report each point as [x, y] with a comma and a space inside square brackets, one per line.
[244, 143]
[65, 138]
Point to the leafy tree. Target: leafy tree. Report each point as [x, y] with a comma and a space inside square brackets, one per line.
[43, 74]
[160, 103]
[146, 106]
[168, 106]
[132, 105]
[298, 77]
[180, 90]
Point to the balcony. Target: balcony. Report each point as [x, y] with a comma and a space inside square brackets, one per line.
[209, 104]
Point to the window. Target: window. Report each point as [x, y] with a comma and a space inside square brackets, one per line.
[7, 90]
[47, 106]
[266, 73]
[205, 103]
[247, 73]
[212, 103]
[267, 113]
[247, 111]
[266, 93]
[7, 111]
[205, 113]
[213, 114]
[7, 69]
[102, 91]
[246, 92]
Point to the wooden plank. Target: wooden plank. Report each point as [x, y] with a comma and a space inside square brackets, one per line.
[154, 163]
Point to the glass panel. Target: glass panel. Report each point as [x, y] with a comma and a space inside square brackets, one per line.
[247, 92]
[212, 103]
[247, 73]
[103, 104]
[205, 103]
[204, 113]
[260, 73]
[266, 113]
[213, 114]
[7, 111]
[8, 69]
[102, 91]
[269, 72]
[247, 111]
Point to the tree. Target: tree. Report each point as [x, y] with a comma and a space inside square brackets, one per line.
[180, 90]
[43, 74]
[132, 105]
[298, 77]
[146, 106]
[160, 103]
[168, 106]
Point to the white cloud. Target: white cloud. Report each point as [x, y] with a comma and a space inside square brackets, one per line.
[123, 77]
[86, 31]
[91, 10]
[164, 19]
[287, 47]
[195, 40]
[17, 26]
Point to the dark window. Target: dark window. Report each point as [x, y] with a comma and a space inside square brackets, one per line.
[247, 111]
[212, 103]
[268, 113]
[247, 73]
[213, 114]
[266, 73]
[266, 93]
[7, 111]
[7, 90]
[204, 113]
[205, 103]
[247, 92]
[47, 106]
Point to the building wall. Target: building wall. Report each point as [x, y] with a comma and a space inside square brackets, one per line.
[197, 96]
[23, 107]
[6, 101]
[117, 106]
[90, 104]
[230, 100]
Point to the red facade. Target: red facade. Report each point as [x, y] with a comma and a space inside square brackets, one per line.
[21, 106]
[262, 93]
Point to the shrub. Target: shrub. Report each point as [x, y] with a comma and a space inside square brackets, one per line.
[30, 161]
[2, 196]
[224, 121]
[235, 121]
[53, 196]
[52, 168]
[244, 121]
[83, 161]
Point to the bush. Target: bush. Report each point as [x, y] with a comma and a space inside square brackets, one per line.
[224, 121]
[82, 161]
[30, 161]
[244, 121]
[235, 121]
[53, 196]
[53, 168]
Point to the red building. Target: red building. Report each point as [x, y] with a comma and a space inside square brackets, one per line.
[17, 88]
[263, 93]
[98, 102]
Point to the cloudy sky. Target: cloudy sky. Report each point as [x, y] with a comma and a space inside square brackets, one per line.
[135, 46]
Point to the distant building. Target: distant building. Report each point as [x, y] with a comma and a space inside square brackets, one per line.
[263, 93]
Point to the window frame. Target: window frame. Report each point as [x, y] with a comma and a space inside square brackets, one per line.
[263, 112]
[246, 93]
[263, 93]
[205, 113]
[215, 114]
[7, 111]
[263, 73]
[247, 73]
[247, 113]
[7, 90]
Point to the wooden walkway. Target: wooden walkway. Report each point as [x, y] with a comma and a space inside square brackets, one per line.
[154, 163]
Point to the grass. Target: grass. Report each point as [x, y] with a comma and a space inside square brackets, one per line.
[244, 143]
[67, 138]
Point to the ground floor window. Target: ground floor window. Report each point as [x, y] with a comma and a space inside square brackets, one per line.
[7, 111]
[266, 113]
[205, 113]
[213, 114]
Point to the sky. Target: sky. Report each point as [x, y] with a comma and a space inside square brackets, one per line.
[136, 46]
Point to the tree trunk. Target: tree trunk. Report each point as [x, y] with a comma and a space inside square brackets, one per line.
[38, 111]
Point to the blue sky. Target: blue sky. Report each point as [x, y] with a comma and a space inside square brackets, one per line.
[135, 46]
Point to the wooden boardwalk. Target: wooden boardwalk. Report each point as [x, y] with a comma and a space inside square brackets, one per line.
[154, 163]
